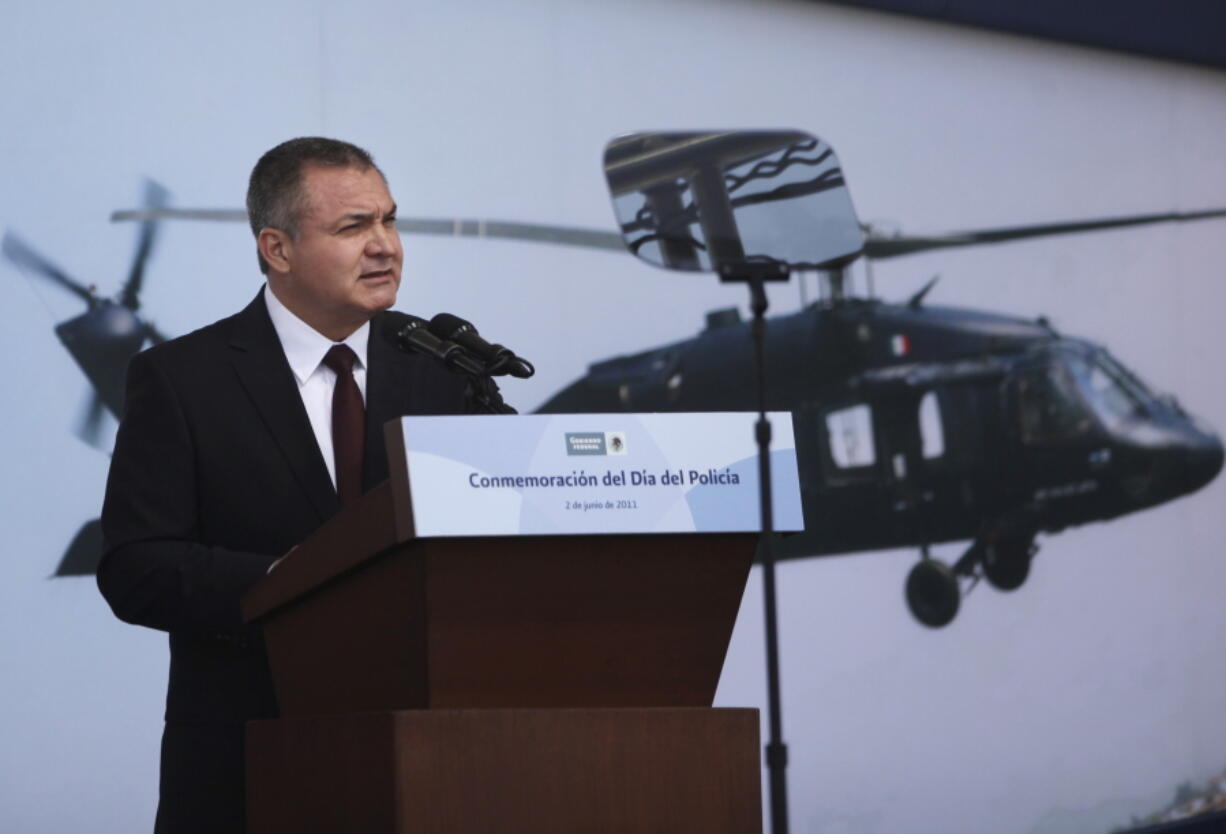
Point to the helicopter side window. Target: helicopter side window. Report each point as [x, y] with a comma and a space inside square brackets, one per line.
[1051, 408]
[850, 431]
[932, 434]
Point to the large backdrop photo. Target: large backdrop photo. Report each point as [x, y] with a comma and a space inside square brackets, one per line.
[1087, 700]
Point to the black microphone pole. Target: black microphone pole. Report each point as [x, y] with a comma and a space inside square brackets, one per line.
[755, 275]
[728, 257]
[776, 749]
[486, 394]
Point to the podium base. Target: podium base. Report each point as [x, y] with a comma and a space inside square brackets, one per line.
[506, 770]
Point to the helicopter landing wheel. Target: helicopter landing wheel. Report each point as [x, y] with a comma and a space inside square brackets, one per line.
[1006, 560]
[932, 593]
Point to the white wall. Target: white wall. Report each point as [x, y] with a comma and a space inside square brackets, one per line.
[1079, 700]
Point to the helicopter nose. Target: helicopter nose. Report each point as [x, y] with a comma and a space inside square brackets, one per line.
[1203, 461]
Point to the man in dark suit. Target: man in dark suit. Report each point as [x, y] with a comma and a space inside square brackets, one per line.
[226, 456]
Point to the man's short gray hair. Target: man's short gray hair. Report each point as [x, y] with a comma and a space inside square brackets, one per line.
[275, 197]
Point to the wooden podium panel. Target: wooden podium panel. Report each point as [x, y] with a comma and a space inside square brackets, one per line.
[530, 684]
[595, 771]
[526, 621]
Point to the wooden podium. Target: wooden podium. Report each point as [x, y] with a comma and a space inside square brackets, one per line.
[517, 684]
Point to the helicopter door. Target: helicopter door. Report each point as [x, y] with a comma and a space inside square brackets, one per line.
[901, 466]
[978, 460]
[937, 474]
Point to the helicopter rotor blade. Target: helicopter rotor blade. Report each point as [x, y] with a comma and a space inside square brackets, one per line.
[155, 336]
[457, 227]
[878, 247]
[147, 214]
[156, 197]
[84, 553]
[89, 429]
[22, 255]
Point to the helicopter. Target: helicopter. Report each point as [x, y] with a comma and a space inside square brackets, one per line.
[914, 424]
[917, 425]
[101, 340]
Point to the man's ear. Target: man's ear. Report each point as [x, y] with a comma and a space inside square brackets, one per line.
[277, 248]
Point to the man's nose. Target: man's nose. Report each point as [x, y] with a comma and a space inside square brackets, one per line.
[385, 240]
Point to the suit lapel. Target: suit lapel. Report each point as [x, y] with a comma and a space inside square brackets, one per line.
[265, 375]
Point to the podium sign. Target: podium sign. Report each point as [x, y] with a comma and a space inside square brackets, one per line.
[594, 473]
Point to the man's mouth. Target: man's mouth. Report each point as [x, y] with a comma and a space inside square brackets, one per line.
[375, 275]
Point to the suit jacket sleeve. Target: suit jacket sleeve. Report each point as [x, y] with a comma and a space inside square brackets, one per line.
[156, 572]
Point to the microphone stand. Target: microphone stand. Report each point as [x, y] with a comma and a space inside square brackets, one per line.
[485, 393]
[755, 275]
[728, 256]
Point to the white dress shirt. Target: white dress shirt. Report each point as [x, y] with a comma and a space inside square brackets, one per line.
[305, 347]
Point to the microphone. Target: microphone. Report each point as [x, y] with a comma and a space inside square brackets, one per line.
[412, 334]
[498, 360]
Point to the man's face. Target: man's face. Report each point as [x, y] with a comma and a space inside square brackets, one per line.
[344, 265]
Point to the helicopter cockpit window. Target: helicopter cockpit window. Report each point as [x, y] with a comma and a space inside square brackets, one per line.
[932, 435]
[1051, 407]
[1112, 396]
[851, 437]
[1127, 378]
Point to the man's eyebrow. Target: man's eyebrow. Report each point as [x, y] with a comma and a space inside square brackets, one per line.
[365, 216]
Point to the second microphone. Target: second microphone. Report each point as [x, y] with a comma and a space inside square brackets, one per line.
[497, 359]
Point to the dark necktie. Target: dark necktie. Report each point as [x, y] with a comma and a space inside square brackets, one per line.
[348, 424]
